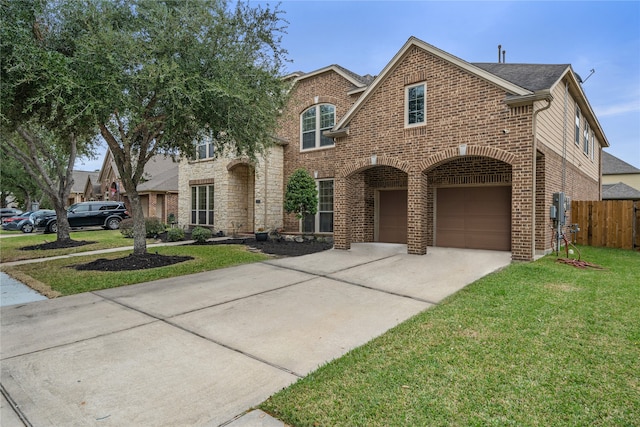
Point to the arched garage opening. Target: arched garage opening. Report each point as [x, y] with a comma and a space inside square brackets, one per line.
[469, 201]
[377, 205]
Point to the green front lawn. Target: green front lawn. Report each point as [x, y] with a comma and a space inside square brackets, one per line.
[104, 239]
[536, 344]
[60, 276]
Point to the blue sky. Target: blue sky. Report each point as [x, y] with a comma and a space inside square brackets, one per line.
[363, 36]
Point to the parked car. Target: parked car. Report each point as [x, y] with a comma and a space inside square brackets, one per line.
[14, 223]
[37, 216]
[86, 214]
[9, 212]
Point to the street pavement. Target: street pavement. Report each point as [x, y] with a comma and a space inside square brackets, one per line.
[205, 349]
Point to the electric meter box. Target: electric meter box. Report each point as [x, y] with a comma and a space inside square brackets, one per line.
[560, 205]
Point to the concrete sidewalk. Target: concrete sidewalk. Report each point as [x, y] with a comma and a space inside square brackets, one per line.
[206, 348]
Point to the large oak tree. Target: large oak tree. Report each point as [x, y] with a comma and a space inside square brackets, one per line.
[155, 76]
[37, 130]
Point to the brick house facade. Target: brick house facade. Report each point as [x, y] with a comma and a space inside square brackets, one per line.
[158, 190]
[439, 151]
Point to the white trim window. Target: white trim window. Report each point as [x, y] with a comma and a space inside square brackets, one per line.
[577, 132]
[202, 203]
[415, 105]
[322, 221]
[313, 122]
[205, 148]
[586, 138]
[593, 145]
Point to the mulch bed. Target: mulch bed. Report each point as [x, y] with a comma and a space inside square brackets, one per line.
[277, 247]
[57, 245]
[132, 262]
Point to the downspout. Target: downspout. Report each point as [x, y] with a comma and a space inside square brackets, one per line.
[265, 195]
[548, 98]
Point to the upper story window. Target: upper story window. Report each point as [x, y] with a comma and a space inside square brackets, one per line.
[577, 133]
[415, 105]
[314, 121]
[585, 140]
[593, 144]
[204, 148]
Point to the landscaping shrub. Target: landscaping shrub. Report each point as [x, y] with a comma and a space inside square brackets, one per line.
[200, 234]
[126, 227]
[153, 227]
[175, 234]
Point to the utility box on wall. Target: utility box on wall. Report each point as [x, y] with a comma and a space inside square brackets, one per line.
[559, 208]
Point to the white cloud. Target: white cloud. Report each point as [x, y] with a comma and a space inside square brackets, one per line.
[617, 109]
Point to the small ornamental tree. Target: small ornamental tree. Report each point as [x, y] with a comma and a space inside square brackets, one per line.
[301, 197]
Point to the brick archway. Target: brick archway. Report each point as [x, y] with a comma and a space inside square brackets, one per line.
[238, 162]
[471, 150]
[365, 163]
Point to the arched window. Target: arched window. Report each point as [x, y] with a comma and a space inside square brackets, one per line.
[313, 122]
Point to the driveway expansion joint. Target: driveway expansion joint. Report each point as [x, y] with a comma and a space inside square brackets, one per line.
[330, 276]
[167, 321]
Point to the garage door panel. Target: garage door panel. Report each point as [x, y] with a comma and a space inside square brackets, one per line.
[483, 240]
[487, 222]
[474, 217]
[392, 216]
[454, 238]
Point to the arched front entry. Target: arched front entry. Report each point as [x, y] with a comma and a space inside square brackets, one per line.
[240, 196]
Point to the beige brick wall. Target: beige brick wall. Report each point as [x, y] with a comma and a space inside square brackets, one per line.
[238, 184]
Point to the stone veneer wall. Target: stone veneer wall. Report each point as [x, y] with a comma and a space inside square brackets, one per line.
[238, 184]
[269, 190]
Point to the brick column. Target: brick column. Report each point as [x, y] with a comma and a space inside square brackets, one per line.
[341, 219]
[522, 202]
[417, 213]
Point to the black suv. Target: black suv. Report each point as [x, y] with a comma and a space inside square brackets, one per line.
[87, 214]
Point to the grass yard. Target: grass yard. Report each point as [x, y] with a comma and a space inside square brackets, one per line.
[536, 344]
[60, 277]
[105, 239]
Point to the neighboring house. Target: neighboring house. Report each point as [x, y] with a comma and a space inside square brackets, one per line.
[620, 180]
[433, 151]
[158, 189]
[78, 190]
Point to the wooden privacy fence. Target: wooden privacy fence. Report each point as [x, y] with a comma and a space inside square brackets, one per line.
[609, 223]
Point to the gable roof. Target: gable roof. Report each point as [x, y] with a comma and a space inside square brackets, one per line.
[619, 191]
[524, 83]
[80, 180]
[357, 80]
[611, 165]
[160, 174]
[508, 86]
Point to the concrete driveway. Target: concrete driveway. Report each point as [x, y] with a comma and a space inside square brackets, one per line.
[205, 348]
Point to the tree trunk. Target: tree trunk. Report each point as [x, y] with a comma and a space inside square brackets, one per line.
[139, 228]
[64, 231]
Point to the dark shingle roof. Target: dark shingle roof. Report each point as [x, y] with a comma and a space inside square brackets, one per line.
[619, 191]
[80, 180]
[611, 165]
[529, 76]
[160, 174]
